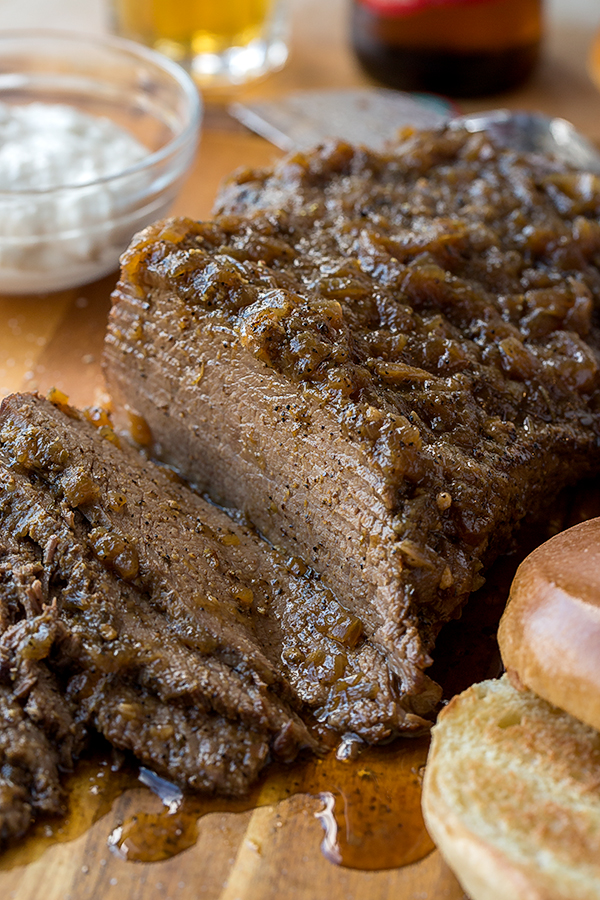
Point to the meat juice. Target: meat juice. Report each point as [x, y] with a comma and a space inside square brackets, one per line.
[369, 808]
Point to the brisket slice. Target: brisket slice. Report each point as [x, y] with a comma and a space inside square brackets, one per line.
[385, 360]
[130, 605]
[29, 777]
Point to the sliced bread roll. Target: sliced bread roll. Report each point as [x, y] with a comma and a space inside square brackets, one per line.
[550, 632]
[512, 796]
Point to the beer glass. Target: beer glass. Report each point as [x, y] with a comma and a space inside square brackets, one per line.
[220, 42]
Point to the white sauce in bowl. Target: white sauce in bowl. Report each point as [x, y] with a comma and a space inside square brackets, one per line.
[60, 225]
[45, 145]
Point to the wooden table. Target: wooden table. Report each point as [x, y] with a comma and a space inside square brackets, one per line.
[56, 340]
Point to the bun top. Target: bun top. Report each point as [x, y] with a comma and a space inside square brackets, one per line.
[549, 634]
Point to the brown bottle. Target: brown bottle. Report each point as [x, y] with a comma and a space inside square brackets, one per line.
[462, 48]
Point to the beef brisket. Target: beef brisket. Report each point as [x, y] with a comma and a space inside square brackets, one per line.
[385, 360]
[131, 606]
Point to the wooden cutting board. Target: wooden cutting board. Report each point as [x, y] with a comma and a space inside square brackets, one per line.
[273, 850]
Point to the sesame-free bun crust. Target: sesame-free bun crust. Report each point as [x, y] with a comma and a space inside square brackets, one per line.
[550, 632]
[511, 796]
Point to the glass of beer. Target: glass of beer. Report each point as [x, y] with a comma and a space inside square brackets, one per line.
[220, 42]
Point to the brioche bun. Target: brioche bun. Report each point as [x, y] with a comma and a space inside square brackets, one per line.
[550, 633]
[511, 796]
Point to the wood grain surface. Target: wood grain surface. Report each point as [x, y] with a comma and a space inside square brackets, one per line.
[56, 340]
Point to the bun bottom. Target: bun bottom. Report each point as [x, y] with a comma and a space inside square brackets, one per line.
[511, 796]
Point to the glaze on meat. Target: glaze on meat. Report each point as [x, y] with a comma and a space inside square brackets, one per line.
[385, 360]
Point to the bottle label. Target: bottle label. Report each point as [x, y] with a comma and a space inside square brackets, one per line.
[406, 7]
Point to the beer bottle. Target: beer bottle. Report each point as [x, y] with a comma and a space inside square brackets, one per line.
[461, 48]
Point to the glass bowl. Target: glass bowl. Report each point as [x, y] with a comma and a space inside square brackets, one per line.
[73, 231]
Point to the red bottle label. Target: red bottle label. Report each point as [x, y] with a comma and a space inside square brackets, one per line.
[406, 7]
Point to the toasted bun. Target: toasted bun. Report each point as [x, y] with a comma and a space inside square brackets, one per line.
[511, 796]
[550, 632]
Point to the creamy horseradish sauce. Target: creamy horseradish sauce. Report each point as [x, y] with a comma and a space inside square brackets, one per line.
[49, 238]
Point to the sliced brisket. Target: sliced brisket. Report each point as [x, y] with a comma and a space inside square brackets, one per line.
[29, 775]
[131, 606]
[384, 360]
